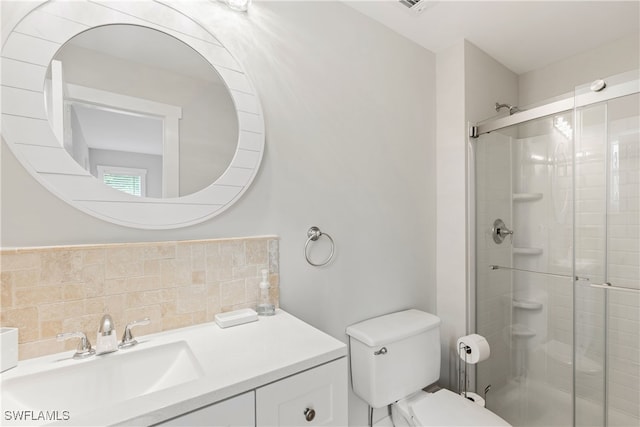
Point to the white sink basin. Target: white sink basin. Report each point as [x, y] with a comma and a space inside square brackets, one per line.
[83, 386]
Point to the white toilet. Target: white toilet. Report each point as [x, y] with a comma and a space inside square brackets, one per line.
[393, 357]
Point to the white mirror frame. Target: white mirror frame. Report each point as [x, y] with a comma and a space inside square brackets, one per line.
[26, 55]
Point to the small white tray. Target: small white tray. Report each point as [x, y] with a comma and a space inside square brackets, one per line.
[237, 317]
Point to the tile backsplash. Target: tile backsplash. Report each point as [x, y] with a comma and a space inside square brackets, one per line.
[50, 290]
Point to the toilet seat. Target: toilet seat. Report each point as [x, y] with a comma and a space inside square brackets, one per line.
[444, 408]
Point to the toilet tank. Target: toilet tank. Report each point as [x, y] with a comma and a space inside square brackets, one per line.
[394, 355]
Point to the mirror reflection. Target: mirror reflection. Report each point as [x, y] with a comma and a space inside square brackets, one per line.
[141, 111]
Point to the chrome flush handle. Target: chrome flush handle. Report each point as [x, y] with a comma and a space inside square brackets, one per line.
[382, 351]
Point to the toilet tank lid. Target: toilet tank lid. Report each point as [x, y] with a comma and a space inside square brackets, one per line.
[392, 327]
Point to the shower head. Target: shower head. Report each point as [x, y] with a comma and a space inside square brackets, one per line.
[512, 108]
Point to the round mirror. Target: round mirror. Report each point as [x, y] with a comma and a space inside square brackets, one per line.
[141, 111]
[89, 87]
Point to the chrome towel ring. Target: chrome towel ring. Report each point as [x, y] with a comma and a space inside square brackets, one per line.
[314, 234]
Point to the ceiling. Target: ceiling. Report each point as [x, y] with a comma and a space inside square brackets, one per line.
[522, 35]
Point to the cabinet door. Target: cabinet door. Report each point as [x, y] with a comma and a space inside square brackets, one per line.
[237, 411]
[317, 397]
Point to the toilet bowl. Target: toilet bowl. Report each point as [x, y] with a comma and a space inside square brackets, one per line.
[442, 408]
[393, 357]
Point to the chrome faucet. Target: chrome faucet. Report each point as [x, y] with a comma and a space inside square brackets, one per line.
[106, 341]
[127, 337]
[84, 346]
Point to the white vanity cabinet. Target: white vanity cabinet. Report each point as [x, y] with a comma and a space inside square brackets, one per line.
[237, 411]
[317, 397]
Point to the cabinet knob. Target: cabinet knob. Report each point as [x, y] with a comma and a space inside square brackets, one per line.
[309, 414]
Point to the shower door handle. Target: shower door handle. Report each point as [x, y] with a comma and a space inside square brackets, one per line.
[500, 231]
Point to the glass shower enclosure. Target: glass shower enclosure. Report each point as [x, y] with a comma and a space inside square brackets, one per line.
[557, 259]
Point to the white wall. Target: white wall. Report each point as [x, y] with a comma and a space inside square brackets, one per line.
[350, 148]
[563, 76]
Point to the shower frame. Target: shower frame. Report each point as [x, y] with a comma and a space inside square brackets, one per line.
[616, 87]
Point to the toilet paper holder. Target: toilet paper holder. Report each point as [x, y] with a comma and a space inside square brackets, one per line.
[462, 379]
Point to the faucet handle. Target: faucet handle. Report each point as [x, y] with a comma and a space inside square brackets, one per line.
[84, 346]
[127, 337]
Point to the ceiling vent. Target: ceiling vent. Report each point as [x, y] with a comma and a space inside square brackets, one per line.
[417, 6]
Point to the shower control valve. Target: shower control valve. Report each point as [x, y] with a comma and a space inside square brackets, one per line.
[500, 231]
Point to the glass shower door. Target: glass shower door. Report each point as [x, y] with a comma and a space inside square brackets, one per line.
[524, 281]
[607, 250]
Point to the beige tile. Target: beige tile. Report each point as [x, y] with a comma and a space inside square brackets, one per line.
[244, 272]
[60, 266]
[151, 267]
[115, 304]
[169, 294]
[184, 249]
[143, 298]
[153, 312]
[191, 299]
[89, 324]
[198, 277]
[168, 308]
[175, 272]
[6, 297]
[244, 305]
[124, 261]
[95, 305]
[198, 257]
[176, 284]
[36, 295]
[73, 291]
[32, 349]
[115, 286]
[93, 277]
[232, 293]
[143, 283]
[160, 251]
[252, 288]
[22, 278]
[61, 310]
[212, 249]
[198, 317]
[256, 251]
[50, 328]
[236, 249]
[11, 261]
[93, 256]
[123, 269]
[219, 268]
[176, 321]
[25, 319]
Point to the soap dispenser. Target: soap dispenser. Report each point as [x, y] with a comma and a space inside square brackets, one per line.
[107, 340]
[265, 306]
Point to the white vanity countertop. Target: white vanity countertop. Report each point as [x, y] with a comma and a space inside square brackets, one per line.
[234, 360]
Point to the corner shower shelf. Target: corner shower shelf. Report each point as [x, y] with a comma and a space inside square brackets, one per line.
[526, 305]
[526, 197]
[527, 251]
[521, 331]
[563, 353]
